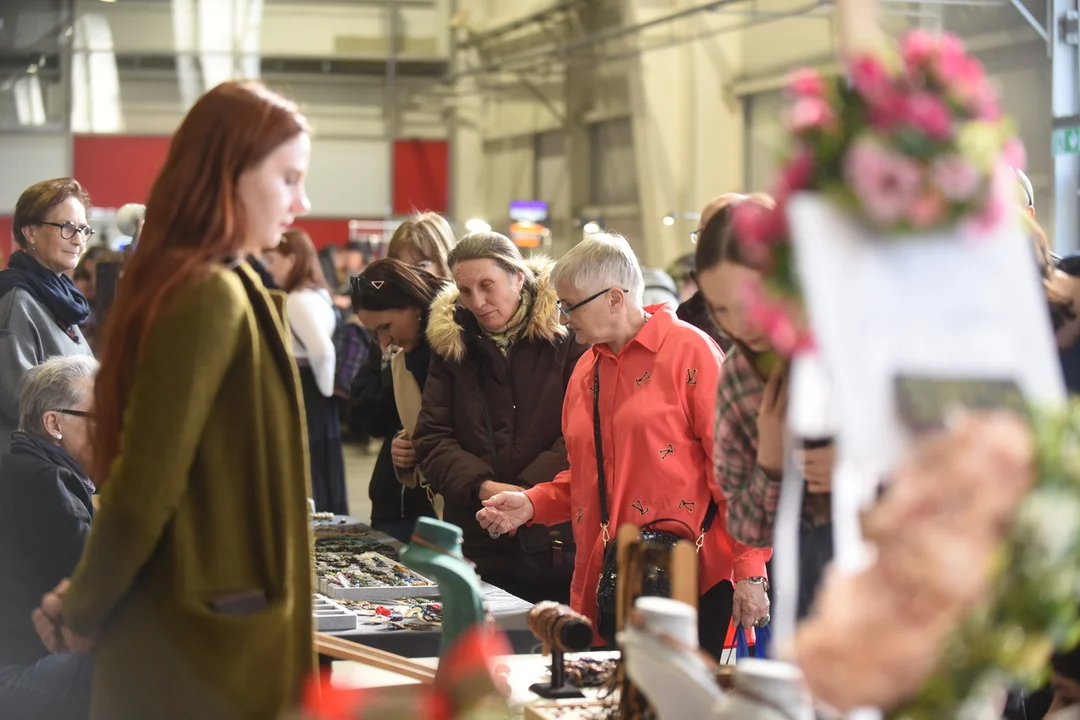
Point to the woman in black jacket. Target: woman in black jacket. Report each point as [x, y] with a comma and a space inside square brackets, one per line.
[45, 516]
[392, 300]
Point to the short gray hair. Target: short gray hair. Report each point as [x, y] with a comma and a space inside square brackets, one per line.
[600, 261]
[51, 386]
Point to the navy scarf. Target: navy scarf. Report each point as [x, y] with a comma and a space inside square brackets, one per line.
[24, 443]
[56, 292]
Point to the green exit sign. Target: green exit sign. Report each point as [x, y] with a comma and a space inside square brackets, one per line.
[1066, 141]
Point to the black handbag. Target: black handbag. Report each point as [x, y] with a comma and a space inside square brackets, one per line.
[547, 551]
[655, 581]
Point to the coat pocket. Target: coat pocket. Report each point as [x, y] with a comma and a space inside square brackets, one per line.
[245, 602]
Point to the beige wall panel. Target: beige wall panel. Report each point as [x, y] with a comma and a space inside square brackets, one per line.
[27, 159]
[508, 175]
[304, 29]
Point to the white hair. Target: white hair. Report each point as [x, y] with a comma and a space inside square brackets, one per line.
[603, 260]
[52, 386]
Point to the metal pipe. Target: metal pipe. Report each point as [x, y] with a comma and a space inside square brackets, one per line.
[614, 34]
[1031, 20]
[391, 96]
[536, 17]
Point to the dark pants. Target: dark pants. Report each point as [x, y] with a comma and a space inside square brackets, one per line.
[56, 687]
[815, 553]
[714, 617]
[324, 447]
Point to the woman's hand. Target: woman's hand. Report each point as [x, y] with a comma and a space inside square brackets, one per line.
[491, 488]
[505, 512]
[750, 604]
[402, 451]
[816, 466]
[770, 423]
[49, 624]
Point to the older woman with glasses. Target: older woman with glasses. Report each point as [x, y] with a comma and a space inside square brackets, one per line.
[45, 516]
[638, 425]
[40, 307]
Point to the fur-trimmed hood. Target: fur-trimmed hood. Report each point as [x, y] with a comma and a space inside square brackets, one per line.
[446, 335]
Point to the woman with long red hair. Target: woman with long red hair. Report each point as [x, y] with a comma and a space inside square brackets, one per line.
[194, 590]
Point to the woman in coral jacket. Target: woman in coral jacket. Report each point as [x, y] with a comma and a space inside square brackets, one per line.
[657, 381]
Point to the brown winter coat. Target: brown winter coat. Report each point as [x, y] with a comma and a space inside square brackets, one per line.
[523, 394]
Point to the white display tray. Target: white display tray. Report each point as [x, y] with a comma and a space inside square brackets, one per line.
[379, 592]
[330, 616]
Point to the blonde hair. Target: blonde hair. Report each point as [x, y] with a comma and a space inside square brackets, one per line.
[492, 246]
[430, 235]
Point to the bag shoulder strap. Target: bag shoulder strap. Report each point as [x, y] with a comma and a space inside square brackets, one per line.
[598, 440]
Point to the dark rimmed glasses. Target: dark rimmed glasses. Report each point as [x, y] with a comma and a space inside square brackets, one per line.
[567, 309]
[77, 413]
[69, 229]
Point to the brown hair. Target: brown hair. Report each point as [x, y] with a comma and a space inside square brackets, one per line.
[390, 284]
[491, 246]
[1061, 308]
[430, 235]
[36, 201]
[193, 220]
[718, 242]
[306, 273]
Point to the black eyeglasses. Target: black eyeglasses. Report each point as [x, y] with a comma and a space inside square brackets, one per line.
[76, 413]
[69, 229]
[567, 309]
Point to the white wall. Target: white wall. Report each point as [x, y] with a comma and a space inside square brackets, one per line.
[29, 158]
[349, 178]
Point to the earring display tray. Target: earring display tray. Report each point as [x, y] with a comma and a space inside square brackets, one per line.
[368, 576]
[332, 616]
[333, 548]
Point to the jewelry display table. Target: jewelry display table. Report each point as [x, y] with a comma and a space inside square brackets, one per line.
[510, 612]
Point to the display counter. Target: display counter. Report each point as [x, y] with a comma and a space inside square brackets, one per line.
[508, 611]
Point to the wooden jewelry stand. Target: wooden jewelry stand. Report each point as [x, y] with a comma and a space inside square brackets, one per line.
[561, 630]
[681, 564]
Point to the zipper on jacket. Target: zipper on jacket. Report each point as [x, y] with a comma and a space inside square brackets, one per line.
[402, 502]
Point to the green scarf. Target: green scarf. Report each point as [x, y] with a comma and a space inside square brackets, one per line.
[506, 337]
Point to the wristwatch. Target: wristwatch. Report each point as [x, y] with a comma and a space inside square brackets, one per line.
[758, 581]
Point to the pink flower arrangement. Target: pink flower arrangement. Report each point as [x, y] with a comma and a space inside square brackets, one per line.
[885, 182]
[910, 144]
[805, 82]
[810, 113]
[914, 136]
[955, 177]
[928, 114]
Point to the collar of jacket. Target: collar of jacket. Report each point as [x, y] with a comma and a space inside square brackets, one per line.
[446, 329]
[652, 333]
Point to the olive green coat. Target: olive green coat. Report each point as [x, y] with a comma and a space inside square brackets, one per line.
[207, 499]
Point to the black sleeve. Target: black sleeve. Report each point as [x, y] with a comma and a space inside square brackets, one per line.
[371, 399]
[53, 522]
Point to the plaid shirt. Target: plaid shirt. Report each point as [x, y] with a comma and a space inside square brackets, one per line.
[752, 496]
